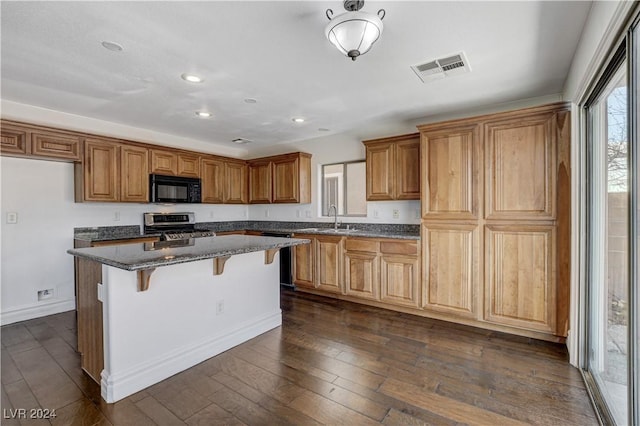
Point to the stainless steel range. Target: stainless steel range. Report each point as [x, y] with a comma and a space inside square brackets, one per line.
[174, 226]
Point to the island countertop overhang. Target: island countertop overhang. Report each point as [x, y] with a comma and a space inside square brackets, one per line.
[142, 256]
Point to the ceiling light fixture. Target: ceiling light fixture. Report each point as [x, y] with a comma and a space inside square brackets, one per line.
[298, 120]
[113, 46]
[203, 114]
[191, 78]
[241, 141]
[354, 32]
[250, 101]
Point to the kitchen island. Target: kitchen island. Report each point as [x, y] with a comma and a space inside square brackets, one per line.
[168, 305]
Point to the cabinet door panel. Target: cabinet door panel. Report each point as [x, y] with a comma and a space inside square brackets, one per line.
[450, 178]
[361, 275]
[286, 181]
[408, 170]
[188, 165]
[55, 145]
[134, 174]
[380, 172]
[13, 140]
[164, 162]
[213, 181]
[236, 183]
[520, 176]
[399, 280]
[303, 262]
[520, 276]
[329, 259]
[260, 182]
[101, 173]
[451, 268]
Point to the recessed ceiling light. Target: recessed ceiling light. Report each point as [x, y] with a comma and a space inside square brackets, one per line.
[241, 141]
[203, 114]
[191, 78]
[113, 46]
[250, 101]
[298, 120]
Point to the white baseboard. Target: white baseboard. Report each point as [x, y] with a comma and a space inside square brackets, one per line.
[36, 311]
[143, 375]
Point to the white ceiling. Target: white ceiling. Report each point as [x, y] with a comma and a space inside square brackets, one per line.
[276, 52]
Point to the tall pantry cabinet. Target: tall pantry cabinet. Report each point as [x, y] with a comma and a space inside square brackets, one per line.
[495, 219]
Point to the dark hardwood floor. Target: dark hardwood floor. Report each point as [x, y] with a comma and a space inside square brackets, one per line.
[331, 362]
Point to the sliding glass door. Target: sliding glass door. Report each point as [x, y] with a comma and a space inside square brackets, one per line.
[612, 250]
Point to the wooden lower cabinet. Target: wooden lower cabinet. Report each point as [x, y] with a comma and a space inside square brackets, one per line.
[329, 263]
[520, 283]
[399, 280]
[304, 262]
[451, 269]
[361, 277]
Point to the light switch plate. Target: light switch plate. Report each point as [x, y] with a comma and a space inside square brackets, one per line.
[12, 217]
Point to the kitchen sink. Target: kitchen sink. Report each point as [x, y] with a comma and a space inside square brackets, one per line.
[328, 230]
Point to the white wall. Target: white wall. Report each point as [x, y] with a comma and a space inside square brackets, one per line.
[34, 254]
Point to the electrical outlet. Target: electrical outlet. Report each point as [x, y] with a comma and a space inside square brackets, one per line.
[45, 294]
[212, 214]
[416, 214]
[266, 212]
[12, 218]
[116, 216]
[298, 213]
[220, 307]
[307, 213]
[396, 214]
[375, 213]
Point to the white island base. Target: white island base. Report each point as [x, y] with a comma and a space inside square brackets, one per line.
[186, 316]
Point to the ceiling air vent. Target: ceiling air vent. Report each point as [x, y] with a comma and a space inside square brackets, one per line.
[443, 67]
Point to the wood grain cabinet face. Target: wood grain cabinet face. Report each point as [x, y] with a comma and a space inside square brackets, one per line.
[55, 145]
[101, 171]
[450, 179]
[213, 181]
[329, 263]
[408, 169]
[451, 268]
[134, 174]
[164, 162]
[380, 164]
[188, 165]
[304, 262]
[13, 140]
[399, 279]
[236, 183]
[362, 275]
[520, 276]
[286, 184]
[520, 168]
[260, 189]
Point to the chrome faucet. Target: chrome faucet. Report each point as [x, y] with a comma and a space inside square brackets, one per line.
[335, 212]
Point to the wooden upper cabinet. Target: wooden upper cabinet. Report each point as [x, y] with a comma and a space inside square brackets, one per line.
[380, 171]
[97, 177]
[164, 162]
[55, 145]
[521, 168]
[451, 268]
[213, 180]
[13, 140]
[280, 179]
[393, 168]
[134, 174]
[520, 283]
[450, 158]
[236, 178]
[188, 165]
[260, 189]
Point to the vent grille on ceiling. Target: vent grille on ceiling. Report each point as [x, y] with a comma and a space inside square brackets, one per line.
[443, 67]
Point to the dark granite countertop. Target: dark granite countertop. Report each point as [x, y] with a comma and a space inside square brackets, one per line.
[135, 257]
[396, 231]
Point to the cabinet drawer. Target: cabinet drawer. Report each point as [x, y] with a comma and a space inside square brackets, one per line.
[399, 247]
[356, 244]
[14, 141]
[54, 145]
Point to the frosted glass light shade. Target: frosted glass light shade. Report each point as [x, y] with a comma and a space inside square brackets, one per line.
[353, 33]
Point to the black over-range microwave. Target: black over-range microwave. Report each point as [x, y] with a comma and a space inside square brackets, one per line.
[174, 189]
